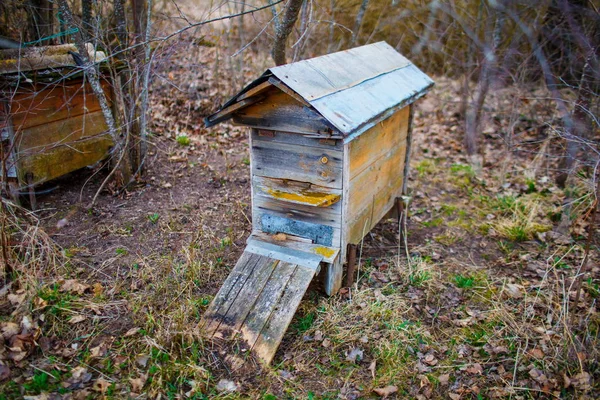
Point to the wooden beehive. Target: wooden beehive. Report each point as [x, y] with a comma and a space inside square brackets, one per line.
[329, 143]
[50, 119]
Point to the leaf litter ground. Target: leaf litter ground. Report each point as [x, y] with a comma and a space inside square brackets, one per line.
[477, 305]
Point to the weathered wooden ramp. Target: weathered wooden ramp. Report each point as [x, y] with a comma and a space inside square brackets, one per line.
[260, 296]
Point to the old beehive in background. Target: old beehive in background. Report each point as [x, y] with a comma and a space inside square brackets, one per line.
[50, 120]
[328, 150]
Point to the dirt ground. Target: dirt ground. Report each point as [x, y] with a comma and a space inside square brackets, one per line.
[477, 305]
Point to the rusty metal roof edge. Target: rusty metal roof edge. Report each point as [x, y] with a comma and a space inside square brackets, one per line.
[386, 114]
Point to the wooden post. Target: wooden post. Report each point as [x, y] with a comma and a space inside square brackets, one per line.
[351, 264]
[401, 217]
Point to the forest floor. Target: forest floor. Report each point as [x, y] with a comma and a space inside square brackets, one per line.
[478, 305]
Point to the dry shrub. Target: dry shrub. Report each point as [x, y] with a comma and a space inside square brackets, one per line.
[30, 256]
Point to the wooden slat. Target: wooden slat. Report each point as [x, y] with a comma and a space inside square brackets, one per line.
[267, 302]
[294, 192]
[324, 216]
[53, 103]
[233, 284]
[279, 111]
[254, 91]
[305, 164]
[377, 141]
[226, 113]
[42, 138]
[244, 302]
[64, 159]
[297, 139]
[279, 320]
[372, 193]
[329, 254]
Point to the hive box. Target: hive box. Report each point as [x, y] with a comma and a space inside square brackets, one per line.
[50, 120]
[329, 146]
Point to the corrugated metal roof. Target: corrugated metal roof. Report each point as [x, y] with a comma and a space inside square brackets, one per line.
[353, 89]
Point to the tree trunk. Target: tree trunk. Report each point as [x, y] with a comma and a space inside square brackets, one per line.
[284, 29]
[358, 22]
[86, 19]
[474, 113]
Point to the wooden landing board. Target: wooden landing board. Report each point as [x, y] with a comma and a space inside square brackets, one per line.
[260, 296]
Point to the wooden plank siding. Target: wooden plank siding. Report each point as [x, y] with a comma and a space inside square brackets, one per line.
[64, 159]
[375, 164]
[42, 138]
[57, 129]
[275, 136]
[279, 111]
[57, 102]
[319, 166]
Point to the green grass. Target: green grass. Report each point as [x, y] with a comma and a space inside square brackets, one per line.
[153, 218]
[304, 323]
[183, 140]
[463, 282]
[426, 167]
[58, 302]
[462, 170]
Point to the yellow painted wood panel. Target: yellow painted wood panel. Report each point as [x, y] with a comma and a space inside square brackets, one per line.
[378, 141]
[64, 159]
[43, 105]
[41, 138]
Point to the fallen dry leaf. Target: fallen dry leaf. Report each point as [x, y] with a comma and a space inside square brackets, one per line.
[16, 299]
[582, 381]
[101, 385]
[355, 355]
[99, 351]
[43, 396]
[444, 379]
[4, 372]
[430, 359]
[515, 291]
[137, 384]
[9, 329]
[475, 369]
[142, 360]
[97, 288]
[372, 367]
[226, 386]
[74, 286]
[77, 319]
[326, 343]
[386, 391]
[131, 332]
[537, 353]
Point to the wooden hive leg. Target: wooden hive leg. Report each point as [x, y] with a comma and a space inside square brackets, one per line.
[351, 264]
[333, 276]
